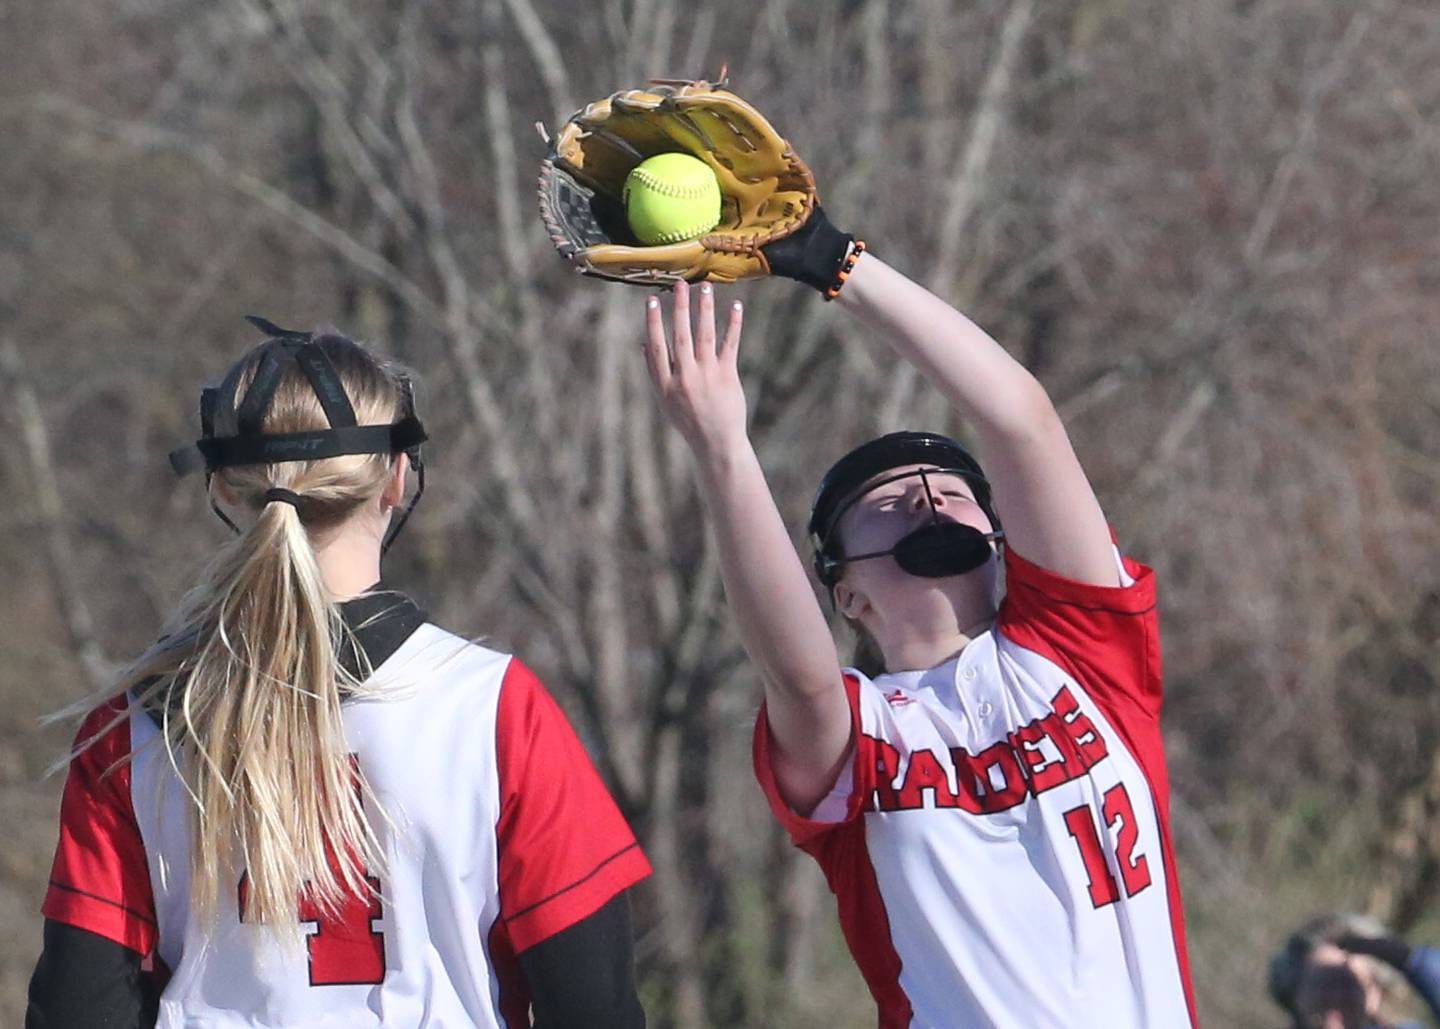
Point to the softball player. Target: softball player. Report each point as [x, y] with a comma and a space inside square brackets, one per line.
[990, 805]
[306, 805]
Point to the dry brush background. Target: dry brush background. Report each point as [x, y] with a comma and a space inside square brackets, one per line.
[1209, 226]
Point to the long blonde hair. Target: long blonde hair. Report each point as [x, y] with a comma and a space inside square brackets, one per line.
[246, 682]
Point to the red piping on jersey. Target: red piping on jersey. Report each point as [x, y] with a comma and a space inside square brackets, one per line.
[514, 989]
[865, 922]
[1138, 723]
[134, 913]
[100, 880]
[843, 853]
[578, 882]
[564, 849]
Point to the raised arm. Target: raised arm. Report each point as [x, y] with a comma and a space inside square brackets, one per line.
[1050, 512]
[779, 621]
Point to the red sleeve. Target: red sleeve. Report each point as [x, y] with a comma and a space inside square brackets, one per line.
[804, 831]
[100, 880]
[565, 849]
[1106, 637]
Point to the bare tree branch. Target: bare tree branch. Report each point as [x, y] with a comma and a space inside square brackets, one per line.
[966, 189]
[59, 553]
[1307, 131]
[151, 139]
[546, 55]
[513, 251]
[313, 72]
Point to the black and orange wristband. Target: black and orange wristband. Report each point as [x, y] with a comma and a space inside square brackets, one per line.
[857, 247]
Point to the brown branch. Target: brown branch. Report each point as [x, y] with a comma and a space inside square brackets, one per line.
[1306, 133]
[546, 55]
[502, 147]
[59, 554]
[313, 73]
[966, 188]
[151, 139]
[605, 599]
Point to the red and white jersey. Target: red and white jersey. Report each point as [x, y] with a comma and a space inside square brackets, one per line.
[999, 848]
[498, 833]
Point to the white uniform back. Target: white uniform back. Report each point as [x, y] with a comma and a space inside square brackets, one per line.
[498, 833]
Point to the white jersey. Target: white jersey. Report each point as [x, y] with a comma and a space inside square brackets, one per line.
[999, 848]
[497, 834]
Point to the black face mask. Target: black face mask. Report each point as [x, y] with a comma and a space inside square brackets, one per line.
[938, 550]
[941, 549]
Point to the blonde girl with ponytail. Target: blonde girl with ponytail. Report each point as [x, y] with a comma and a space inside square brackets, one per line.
[301, 754]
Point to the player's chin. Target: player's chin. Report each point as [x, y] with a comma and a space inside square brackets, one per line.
[976, 587]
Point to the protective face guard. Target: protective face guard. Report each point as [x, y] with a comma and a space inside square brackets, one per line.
[934, 551]
[249, 446]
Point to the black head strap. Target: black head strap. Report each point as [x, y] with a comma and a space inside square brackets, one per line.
[316, 365]
[325, 380]
[273, 331]
[250, 445]
[314, 445]
[250, 412]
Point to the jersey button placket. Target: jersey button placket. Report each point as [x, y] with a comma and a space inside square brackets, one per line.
[984, 709]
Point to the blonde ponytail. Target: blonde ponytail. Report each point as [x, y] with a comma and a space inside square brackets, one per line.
[247, 684]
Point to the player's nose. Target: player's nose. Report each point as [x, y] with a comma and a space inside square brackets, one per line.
[921, 498]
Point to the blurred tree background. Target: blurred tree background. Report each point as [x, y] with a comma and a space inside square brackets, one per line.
[1210, 227]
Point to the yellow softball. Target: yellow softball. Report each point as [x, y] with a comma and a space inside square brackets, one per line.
[670, 198]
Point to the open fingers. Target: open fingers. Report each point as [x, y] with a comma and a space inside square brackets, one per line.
[705, 324]
[657, 353]
[683, 349]
[730, 343]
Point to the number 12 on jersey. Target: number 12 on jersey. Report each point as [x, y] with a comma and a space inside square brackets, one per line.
[1119, 818]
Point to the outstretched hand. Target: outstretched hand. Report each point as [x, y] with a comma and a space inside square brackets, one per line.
[696, 377]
